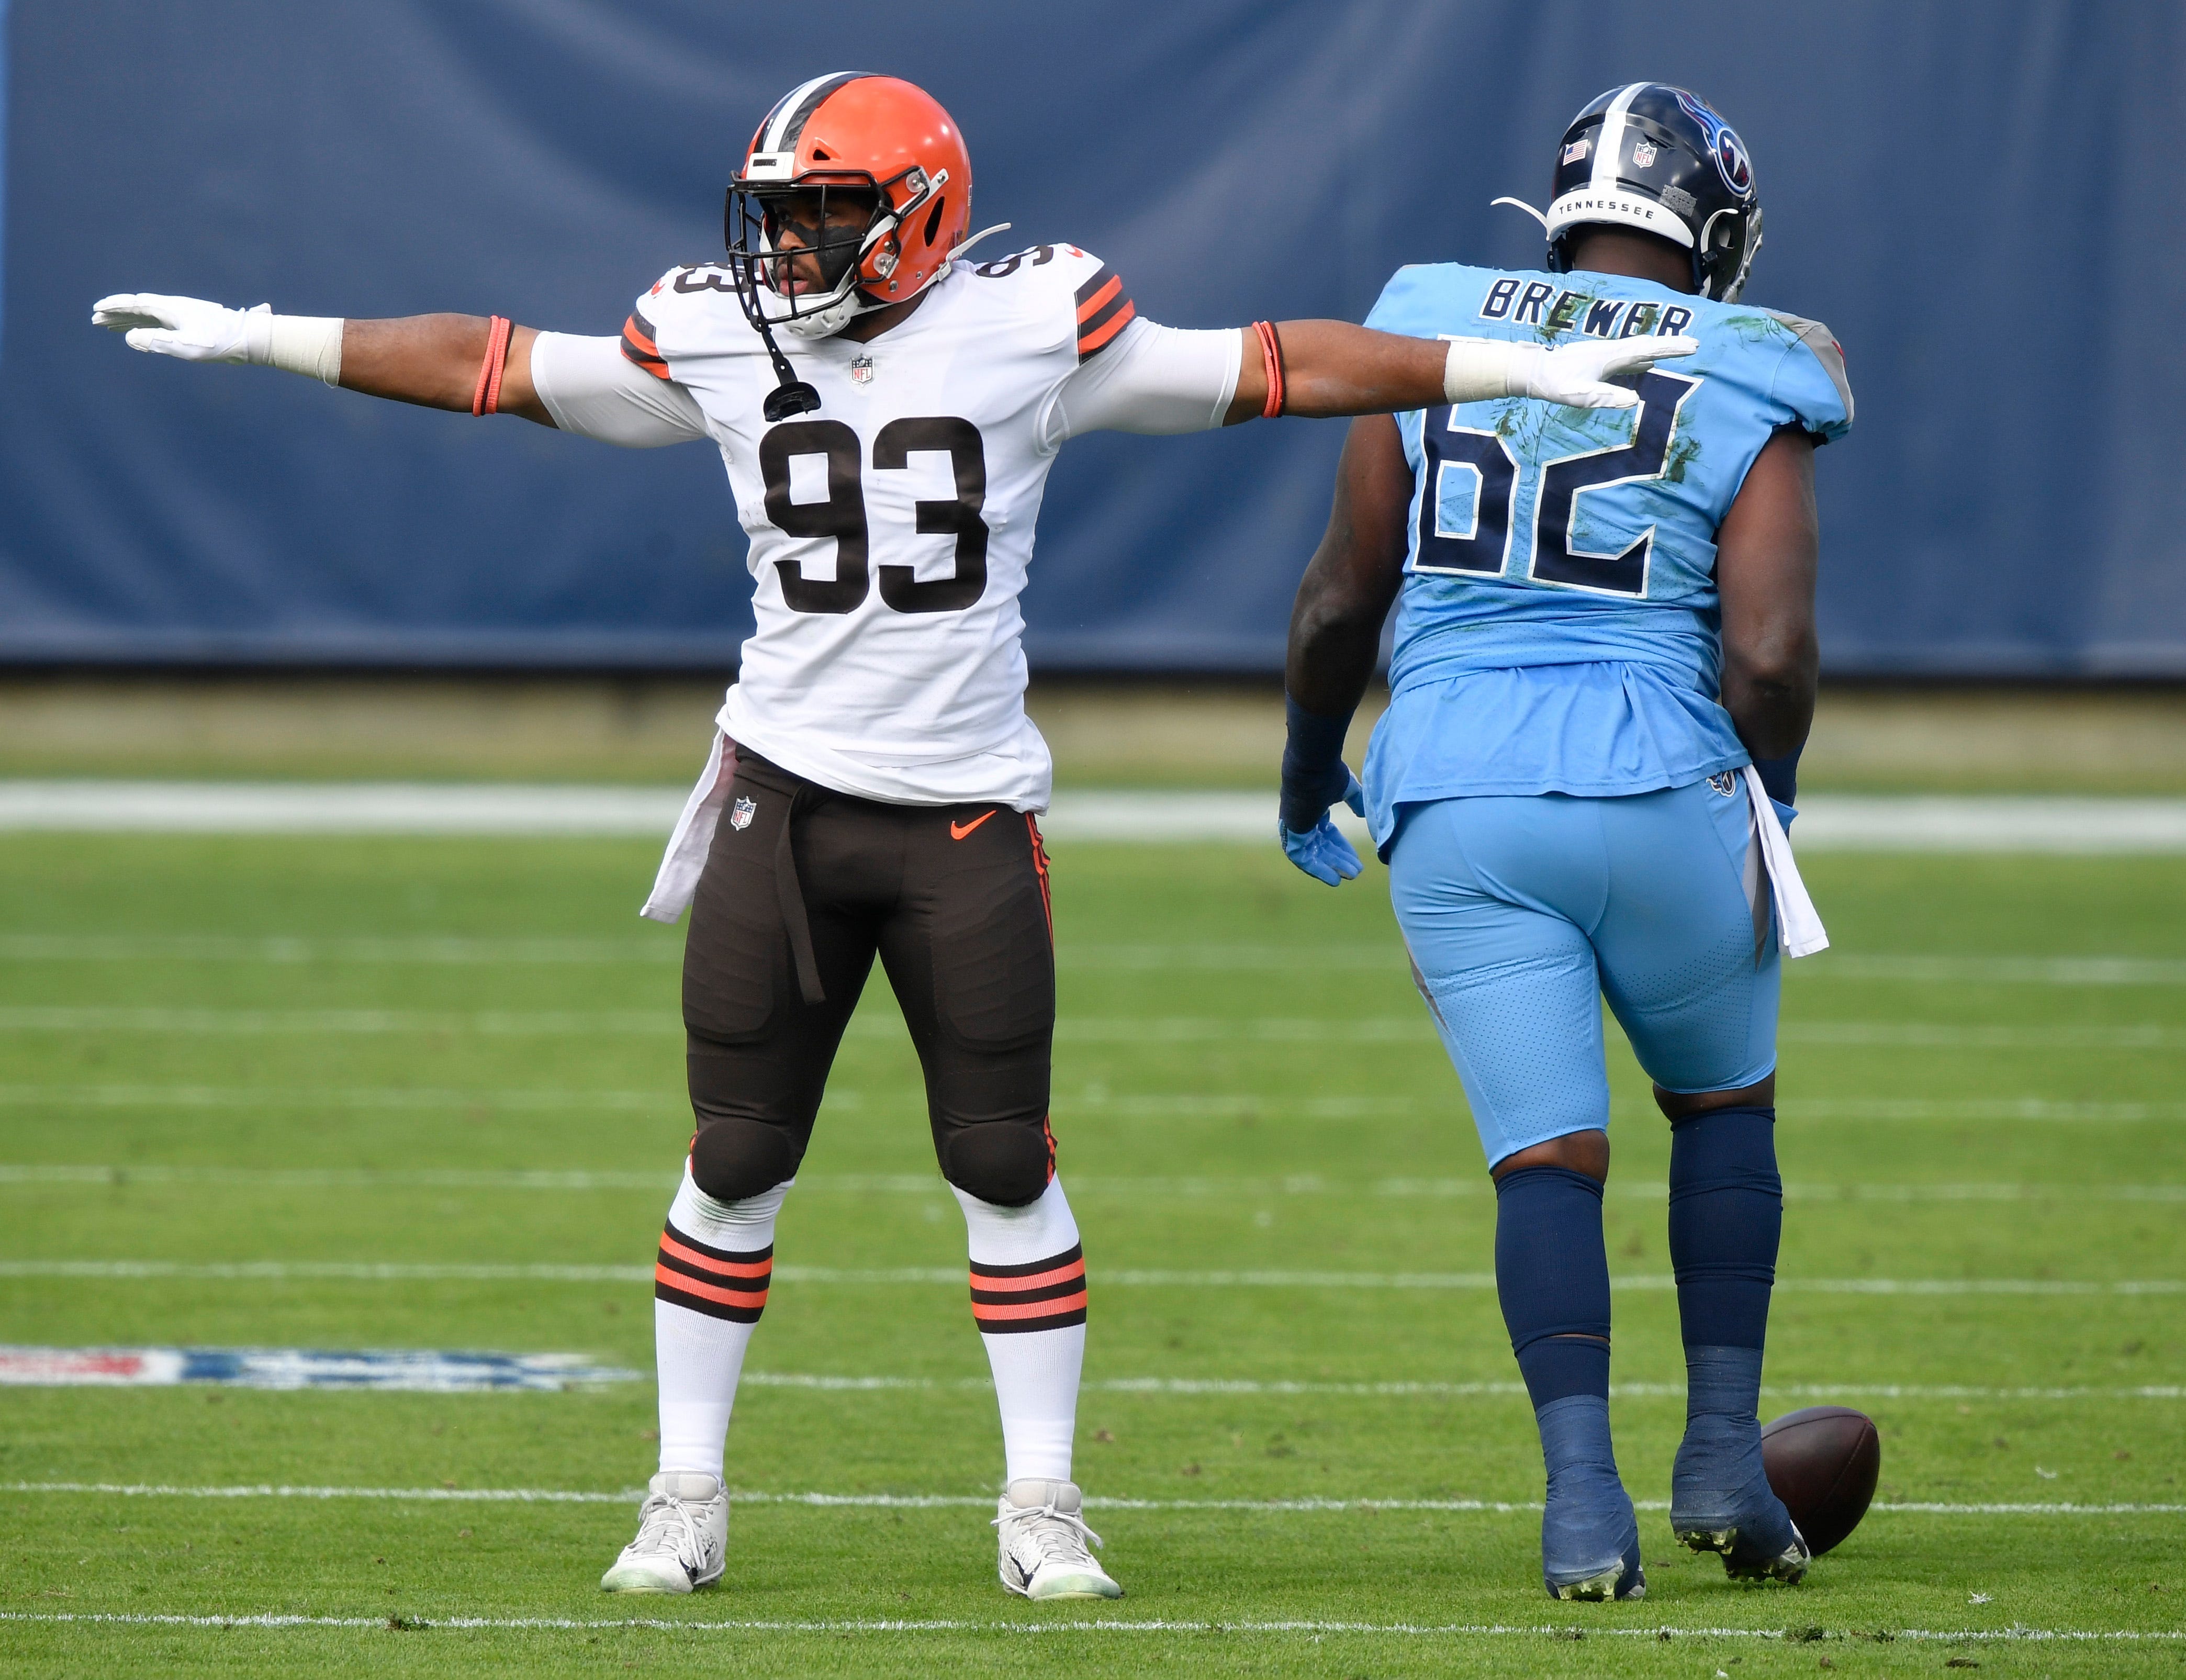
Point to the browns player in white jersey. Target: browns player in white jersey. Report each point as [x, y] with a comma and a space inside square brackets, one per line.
[877, 772]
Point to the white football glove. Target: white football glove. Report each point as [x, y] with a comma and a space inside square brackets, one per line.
[187, 327]
[1574, 374]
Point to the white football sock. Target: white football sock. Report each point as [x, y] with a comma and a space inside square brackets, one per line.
[1028, 1299]
[718, 1257]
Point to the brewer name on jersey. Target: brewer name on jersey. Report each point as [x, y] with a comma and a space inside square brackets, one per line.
[1528, 303]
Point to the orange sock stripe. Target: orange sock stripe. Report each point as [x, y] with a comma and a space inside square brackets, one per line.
[683, 1284]
[984, 1282]
[988, 1313]
[713, 1267]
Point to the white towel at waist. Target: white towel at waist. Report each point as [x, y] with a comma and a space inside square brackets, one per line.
[679, 866]
[1799, 929]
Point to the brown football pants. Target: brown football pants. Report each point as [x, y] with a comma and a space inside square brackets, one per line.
[790, 911]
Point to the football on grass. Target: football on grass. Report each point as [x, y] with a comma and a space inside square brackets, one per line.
[1823, 1462]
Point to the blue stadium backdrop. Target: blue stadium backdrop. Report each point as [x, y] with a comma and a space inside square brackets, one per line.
[1984, 201]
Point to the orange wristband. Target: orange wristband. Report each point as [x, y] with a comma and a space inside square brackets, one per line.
[1271, 351]
[487, 398]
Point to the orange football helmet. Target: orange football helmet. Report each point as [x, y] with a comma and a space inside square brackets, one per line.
[874, 135]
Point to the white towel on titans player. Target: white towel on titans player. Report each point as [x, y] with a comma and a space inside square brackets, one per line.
[1799, 928]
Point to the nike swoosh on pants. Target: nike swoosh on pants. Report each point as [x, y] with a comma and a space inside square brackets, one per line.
[957, 830]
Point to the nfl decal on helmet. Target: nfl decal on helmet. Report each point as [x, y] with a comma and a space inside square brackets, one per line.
[1657, 159]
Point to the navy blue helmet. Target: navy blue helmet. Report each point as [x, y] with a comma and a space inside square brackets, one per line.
[1657, 158]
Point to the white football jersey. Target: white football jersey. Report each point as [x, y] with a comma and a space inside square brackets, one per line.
[892, 529]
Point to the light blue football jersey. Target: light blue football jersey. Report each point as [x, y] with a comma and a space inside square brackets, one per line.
[1558, 630]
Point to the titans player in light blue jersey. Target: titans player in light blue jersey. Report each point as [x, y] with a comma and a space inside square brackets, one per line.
[1603, 621]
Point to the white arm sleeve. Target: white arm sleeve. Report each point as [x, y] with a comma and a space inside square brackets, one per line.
[592, 388]
[1150, 379]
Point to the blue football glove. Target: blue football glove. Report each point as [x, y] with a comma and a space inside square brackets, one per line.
[1322, 852]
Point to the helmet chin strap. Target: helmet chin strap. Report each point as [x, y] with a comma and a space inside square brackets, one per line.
[791, 395]
[1520, 204]
[983, 233]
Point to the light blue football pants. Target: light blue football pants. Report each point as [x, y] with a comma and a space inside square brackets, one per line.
[1523, 914]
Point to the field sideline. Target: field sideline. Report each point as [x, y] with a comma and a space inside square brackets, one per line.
[270, 1092]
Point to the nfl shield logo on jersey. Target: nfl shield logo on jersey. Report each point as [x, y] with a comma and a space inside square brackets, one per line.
[740, 812]
[861, 370]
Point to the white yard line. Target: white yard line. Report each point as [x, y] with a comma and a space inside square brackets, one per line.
[1111, 1625]
[663, 1180]
[891, 1501]
[1144, 1030]
[285, 950]
[1454, 1391]
[1148, 1105]
[811, 1382]
[366, 1097]
[432, 949]
[1996, 971]
[371, 1271]
[1827, 822]
[1153, 1105]
[2046, 1111]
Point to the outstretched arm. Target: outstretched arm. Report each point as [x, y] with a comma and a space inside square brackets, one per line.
[1332, 367]
[431, 360]
[1768, 550]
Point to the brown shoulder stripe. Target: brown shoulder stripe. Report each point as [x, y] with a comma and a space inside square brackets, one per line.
[637, 344]
[1104, 310]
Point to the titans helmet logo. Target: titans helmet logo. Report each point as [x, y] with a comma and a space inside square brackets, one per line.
[1723, 145]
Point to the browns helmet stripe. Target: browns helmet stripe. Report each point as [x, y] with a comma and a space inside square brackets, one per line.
[785, 122]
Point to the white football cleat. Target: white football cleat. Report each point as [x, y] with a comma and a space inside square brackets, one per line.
[682, 1536]
[1043, 1542]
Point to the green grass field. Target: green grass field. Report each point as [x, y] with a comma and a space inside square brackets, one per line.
[317, 1053]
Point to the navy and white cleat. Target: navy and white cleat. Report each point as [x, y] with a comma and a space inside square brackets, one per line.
[1590, 1539]
[1746, 1524]
[1622, 1578]
[1762, 1546]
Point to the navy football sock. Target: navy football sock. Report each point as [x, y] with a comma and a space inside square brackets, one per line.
[1552, 1272]
[1726, 1219]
